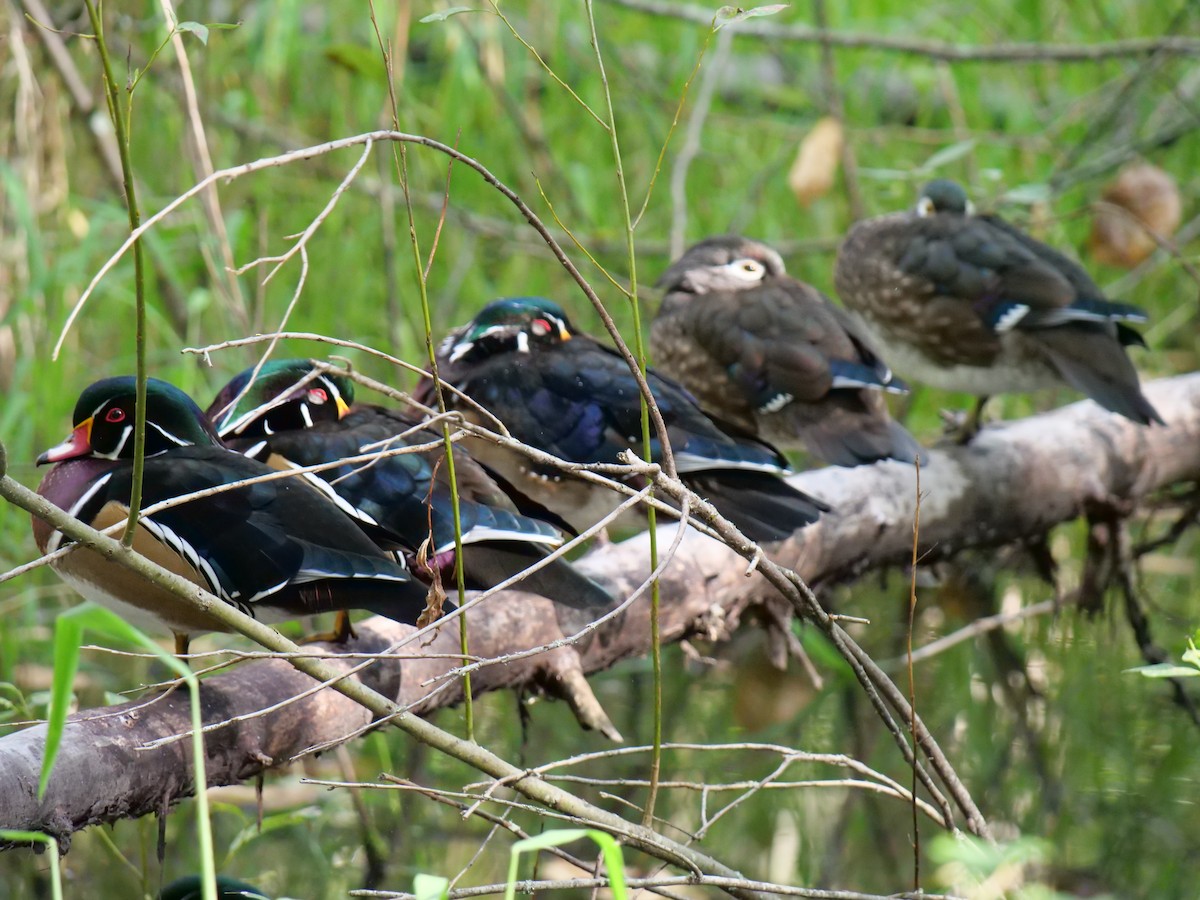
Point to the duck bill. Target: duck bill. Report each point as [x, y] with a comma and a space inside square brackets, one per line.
[342, 408]
[78, 443]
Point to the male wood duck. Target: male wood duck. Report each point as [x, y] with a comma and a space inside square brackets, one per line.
[967, 302]
[293, 414]
[773, 356]
[561, 392]
[276, 549]
[190, 887]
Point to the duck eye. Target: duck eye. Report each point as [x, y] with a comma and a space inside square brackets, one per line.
[318, 395]
[747, 269]
[116, 414]
[541, 327]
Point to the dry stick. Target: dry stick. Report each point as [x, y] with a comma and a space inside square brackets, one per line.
[976, 628]
[400, 160]
[120, 121]
[480, 758]
[451, 799]
[1138, 623]
[878, 686]
[204, 165]
[1010, 52]
[647, 405]
[1116, 106]
[836, 108]
[691, 141]
[766, 887]
[912, 682]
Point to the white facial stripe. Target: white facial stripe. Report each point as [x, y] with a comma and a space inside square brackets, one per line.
[779, 401]
[170, 437]
[522, 342]
[461, 350]
[304, 414]
[116, 453]
[56, 539]
[331, 388]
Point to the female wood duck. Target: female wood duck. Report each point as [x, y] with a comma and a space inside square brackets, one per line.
[292, 414]
[275, 550]
[967, 302]
[559, 391]
[772, 355]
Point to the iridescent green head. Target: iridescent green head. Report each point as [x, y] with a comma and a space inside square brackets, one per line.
[511, 323]
[104, 421]
[285, 395]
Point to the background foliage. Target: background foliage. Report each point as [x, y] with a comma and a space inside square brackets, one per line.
[1053, 739]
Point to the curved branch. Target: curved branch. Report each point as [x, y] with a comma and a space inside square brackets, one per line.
[939, 50]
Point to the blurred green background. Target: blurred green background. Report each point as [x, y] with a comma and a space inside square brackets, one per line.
[1048, 732]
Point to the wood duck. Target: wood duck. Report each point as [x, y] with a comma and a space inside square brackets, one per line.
[191, 887]
[967, 302]
[295, 415]
[561, 392]
[276, 549]
[773, 356]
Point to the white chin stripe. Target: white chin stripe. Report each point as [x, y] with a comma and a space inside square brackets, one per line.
[56, 539]
[779, 401]
[1011, 318]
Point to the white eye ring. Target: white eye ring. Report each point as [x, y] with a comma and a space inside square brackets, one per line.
[925, 207]
[746, 269]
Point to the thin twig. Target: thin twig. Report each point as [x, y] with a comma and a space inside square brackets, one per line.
[691, 141]
[1004, 52]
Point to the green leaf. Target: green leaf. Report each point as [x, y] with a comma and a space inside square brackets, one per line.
[68, 635]
[1191, 655]
[614, 862]
[271, 823]
[36, 837]
[822, 651]
[947, 155]
[1165, 670]
[1028, 194]
[430, 887]
[729, 15]
[200, 31]
[446, 14]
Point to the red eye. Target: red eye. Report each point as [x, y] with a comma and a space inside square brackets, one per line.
[318, 395]
[116, 414]
[541, 327]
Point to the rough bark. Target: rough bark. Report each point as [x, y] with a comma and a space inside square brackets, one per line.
[1013, 482]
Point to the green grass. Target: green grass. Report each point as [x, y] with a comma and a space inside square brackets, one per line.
[1113, 794]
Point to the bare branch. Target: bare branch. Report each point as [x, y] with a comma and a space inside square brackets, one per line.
[1012, 52]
